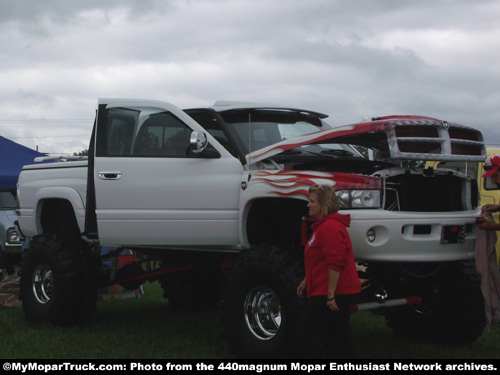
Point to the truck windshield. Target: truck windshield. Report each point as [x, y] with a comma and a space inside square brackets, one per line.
[7, 200]
[253, 130]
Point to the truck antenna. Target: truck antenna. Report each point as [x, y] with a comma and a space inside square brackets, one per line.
[249, 136]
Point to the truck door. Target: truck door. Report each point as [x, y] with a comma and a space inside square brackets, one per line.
[151, 190]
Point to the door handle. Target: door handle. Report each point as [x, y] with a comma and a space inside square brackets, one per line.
[110, 175]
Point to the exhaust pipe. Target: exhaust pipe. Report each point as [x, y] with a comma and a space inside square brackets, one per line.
[386, 303]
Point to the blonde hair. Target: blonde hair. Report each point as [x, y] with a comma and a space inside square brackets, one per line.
[326, 198]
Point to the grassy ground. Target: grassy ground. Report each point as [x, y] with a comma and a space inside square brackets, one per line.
[148, 328]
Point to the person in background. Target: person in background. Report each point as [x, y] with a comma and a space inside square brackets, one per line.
[491, 166]
[485, 254]
[331, 282]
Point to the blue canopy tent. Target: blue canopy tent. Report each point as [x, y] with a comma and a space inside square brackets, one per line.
[13, 157]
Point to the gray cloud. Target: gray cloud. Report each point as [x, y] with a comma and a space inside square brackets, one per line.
[352, 60]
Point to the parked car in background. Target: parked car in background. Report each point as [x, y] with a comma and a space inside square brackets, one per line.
[10, 244]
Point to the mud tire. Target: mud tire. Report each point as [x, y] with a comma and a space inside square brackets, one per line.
[268, 276]
[451, 312]
[59, 280]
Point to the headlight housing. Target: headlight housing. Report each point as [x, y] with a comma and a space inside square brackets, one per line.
[13, 236]
[359, 198]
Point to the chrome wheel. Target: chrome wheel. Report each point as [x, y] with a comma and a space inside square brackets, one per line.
[43, 283]
[263, 312]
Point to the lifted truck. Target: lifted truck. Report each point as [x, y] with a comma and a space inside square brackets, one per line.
[208, 194]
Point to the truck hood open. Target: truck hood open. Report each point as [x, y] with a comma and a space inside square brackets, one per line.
[395, 138]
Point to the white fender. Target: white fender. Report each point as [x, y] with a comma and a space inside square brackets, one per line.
[63, 193]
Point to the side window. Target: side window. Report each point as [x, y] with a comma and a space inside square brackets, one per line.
[162, 134]
[144, 132]
[488, 185]
[115, 131]
[210, 124]
[7, 200]
[120, 135]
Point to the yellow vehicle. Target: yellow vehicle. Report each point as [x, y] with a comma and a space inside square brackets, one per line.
[489, 193]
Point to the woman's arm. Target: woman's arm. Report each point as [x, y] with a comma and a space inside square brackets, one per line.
[333, 280]
[301, 289]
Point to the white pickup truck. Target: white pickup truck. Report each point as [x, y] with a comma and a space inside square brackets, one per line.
[208, 195]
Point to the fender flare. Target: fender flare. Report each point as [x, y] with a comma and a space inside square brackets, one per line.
[61, 193]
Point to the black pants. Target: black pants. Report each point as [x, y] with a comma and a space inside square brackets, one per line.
[323, 333]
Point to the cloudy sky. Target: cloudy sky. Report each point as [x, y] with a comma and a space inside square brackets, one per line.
[351, 59]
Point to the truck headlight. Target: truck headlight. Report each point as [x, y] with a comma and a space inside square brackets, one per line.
[12, 236]
[359, 198]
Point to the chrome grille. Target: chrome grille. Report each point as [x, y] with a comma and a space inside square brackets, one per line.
[431, 139]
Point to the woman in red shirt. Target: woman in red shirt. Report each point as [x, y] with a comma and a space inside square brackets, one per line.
[331, 281]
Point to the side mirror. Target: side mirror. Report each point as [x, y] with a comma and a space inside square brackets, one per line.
[198, 142]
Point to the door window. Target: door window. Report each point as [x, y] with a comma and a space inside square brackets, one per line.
[143, 132]
[162, 134]
[489, 185]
